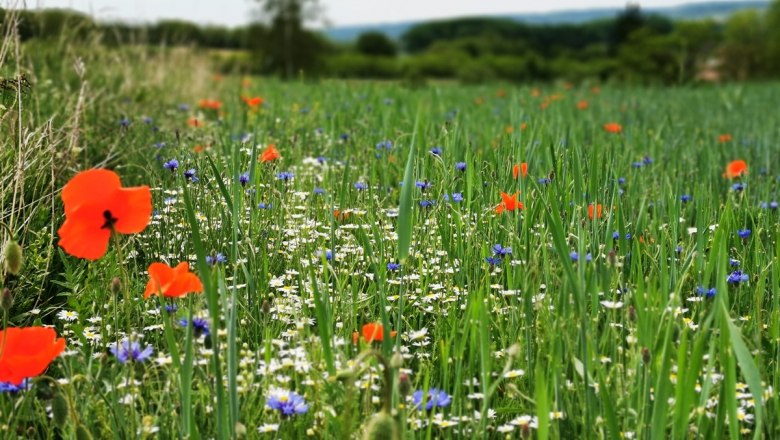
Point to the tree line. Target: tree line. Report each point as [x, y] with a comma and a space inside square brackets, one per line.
[632, 46]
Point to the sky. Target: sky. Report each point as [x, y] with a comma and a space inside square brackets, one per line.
[338, 12]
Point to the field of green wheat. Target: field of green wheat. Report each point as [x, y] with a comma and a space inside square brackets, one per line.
[188, 255]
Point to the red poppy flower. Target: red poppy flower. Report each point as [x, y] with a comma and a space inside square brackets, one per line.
[209, 104]
[252, 102]
[340, 215]
[95, 205]
[375, 332]
[194, 122]
[598, 211]
[582, 105]
[735, 168]
[509, 203]
[270, 154]
[613, 127]
[172, 282]
[27, 351]
[724, 138]
[518, 168]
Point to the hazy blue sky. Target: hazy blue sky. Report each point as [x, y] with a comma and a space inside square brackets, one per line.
[338, 12]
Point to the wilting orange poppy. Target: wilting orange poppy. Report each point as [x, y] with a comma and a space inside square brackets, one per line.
[27, 351]
[735, 168]
[95, 205]
[209, 104]
[172, 282]
[374, 332]
[253, 102]
[724, 138]
[340, 215]
[517, 169]
[613, 127]
[582, 105]
[598, 211]
[509, 203]
[270, 154]
[194, 122]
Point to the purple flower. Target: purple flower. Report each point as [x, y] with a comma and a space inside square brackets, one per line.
[199, 326]
[190, 175]
[501, 251]
[456, 197]
[361, 186]
[319, 191]
[436, 151]
[744, 233]
[685, 198]
[243, 179]
[460, 166]
[436, 399]
[171, 165]
[427, 203]
[392, 267]
[128, 351]
[493, 261]
[285, 175]
[709, 293]
[423, 185]
[216, 259]
[387, 145]
[738, 187]
[288, 403]
[737, 277]
[8, 387]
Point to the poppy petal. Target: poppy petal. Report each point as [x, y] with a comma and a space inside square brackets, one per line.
[83, 239]
[133, 209]
[89, 187]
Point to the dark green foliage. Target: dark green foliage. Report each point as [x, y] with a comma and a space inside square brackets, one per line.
[376, 44]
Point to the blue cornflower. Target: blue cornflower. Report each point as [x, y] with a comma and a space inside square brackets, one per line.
[171, 308]
[734, 263]
[685, 198]
[678, 249]
[456, 197]
[621, 180]
[285, 175]
[216, 259]
[159, 144]
[171, 165]
[328, 254]
[616, 235]
[344, 136]
[128, 351]
[501, 251]
[361, 186]
[243, 179]
[262, 205]
[647, 160]
[737, 277]
[392, 267]
[322, 159]
[422, 184]
[493, 261]
[288, 403]
[574, 256]
[773, 205]
[200, 327]
[8, 387]
[190, 175]
[709, 293]
[637, 164]
[124, 122]
[387, 145]
[319, 191]
[184, 107]
[460, 166]
[436, 151]
[738, 187]
[427, 203]
[436, 399]
[147, 120]
[744, 233]
[544, 181]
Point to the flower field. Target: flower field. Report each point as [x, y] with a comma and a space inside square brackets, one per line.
[197, 256]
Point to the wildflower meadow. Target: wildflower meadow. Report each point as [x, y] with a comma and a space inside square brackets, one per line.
[189, 255]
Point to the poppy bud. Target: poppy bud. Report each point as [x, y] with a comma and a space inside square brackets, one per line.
[397, 361]
[82, 433]
[266, 307]
[646, 355]
[6, 299]
[404, 384]
[116, 286]
[12, 254]
[240, 430]
[60, 410]
[382, 426]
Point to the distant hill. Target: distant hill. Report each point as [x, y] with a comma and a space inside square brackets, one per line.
[688, 11]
